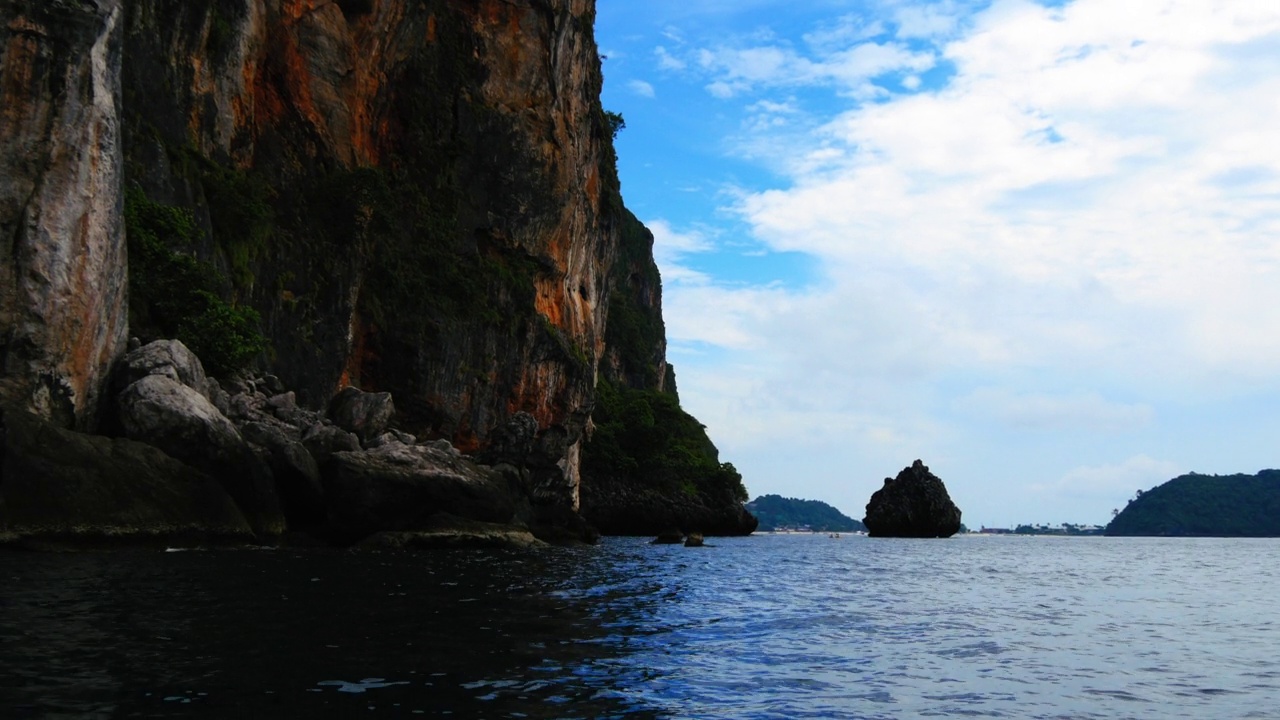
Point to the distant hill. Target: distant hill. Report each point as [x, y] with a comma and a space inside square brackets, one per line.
[775, 511]
[1205, 505]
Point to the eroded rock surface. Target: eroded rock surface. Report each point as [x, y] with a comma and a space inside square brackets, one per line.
[915, 504]
[62, 271]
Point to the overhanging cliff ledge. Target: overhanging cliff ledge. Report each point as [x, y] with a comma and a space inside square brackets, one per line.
[417, 197]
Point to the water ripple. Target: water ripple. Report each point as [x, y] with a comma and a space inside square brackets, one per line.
[760, 627]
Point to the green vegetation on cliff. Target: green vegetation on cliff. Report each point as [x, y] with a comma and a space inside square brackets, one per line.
[775, 511]
[1205, 505]
[642, 437]
[172, 294]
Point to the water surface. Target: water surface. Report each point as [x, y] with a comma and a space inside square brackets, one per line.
[761, 627]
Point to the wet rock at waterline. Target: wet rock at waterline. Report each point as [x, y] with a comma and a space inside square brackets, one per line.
[915, 504]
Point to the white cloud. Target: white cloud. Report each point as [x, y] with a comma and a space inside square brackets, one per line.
[641, 88]
[1091, 201]
[844, 55]
[667, 61]
[1072, 166]
[927, 21]
[1089, 411]
[669, 250]
[842, 32]
[1115, 482]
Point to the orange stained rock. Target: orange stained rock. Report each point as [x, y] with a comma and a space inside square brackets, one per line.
[295, 9]
[549, 301]
[17, 76]
[593, 184]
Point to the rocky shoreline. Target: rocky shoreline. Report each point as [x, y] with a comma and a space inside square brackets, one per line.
[188, 460]
[193, 461]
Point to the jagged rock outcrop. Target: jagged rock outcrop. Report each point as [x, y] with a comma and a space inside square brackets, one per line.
[63, 488]
[62, 279]
[915, 504]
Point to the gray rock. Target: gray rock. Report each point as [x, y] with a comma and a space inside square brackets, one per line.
[247, 407]
[365, 414]
[914, 504]
[165, 358]
[446, 531]
[171, 416]
[297, 475]
[670, 536]
[397, 487]
[443, 446]
[393, 436]
[220, 398]
[322, 441]
[271, 385]
[65, 488]
[63, 314]
[282, 401]
[161, 411]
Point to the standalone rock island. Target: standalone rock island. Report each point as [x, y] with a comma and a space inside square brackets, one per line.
[915, 504]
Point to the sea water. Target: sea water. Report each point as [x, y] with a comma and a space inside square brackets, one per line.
[769, 626]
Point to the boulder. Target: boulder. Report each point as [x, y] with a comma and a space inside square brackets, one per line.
[173, 417]
[166, 358]
[61, 488]
[322, 441]
[397, 487]
[915, 504]
[364, 414]
[297, 475]
[694, 540]
[161, 411]
[670, 536]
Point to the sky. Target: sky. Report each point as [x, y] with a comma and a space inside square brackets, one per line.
[1034, 244]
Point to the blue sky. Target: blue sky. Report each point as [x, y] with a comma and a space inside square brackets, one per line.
[1034, 244]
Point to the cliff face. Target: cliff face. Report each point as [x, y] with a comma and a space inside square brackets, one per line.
[62, 285]
[413, 196]
[408, 192]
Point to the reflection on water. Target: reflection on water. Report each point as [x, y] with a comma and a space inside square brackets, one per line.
[220, 634]
[761, 627]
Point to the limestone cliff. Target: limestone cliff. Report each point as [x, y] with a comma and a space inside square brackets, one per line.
[62, 285]
[413, 196]
[410, 193]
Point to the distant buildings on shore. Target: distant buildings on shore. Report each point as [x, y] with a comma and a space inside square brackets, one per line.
[1063, 529]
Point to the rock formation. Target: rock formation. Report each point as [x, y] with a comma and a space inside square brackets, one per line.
[915, 504]
[414, 197]
[70, 489]
[62, 280]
